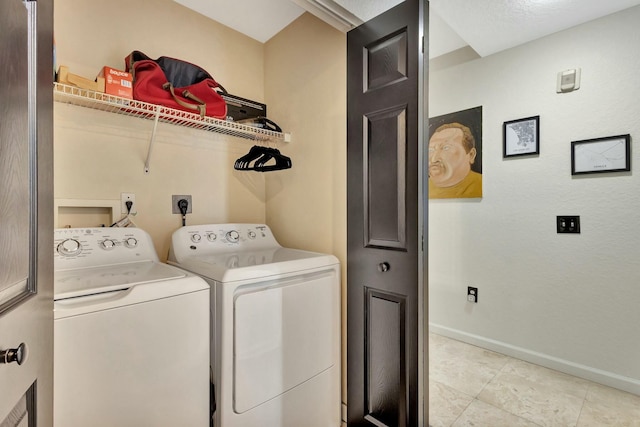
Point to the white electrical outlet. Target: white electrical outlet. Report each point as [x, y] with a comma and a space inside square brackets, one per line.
[128, 197]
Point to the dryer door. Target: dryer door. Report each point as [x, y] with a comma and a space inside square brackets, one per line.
[286, 332]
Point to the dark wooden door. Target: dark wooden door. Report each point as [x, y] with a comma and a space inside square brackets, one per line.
[384, 70]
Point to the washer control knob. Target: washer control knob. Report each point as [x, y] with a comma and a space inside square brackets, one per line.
[251, 234]
[195, 238]
[107, 244]
[130, 242]
[233, 236]
[212, 237]
[69, 247]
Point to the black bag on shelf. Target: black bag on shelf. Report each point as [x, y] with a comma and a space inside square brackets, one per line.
[242, 108]
[262, 123]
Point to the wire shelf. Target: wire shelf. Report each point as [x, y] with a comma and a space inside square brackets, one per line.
[113, 104]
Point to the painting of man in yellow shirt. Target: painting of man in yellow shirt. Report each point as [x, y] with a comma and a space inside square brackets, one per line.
[452, 154]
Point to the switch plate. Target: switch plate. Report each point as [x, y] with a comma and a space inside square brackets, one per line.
[472, 294]
[174, 203]
[568, 224]
[124, 197]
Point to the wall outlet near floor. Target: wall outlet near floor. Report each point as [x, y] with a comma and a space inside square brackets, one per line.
[472, 294]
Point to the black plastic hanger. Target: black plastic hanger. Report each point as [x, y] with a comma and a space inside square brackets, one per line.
[254, 153]
[281, 161]
[260, 156]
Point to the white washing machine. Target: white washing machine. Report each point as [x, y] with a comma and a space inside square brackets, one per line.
[275, 351]
[131, 334]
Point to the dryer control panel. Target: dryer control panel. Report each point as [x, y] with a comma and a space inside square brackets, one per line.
[211, 239]
[90, 247]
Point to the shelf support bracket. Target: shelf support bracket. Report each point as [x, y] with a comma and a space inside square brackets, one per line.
[153, 138]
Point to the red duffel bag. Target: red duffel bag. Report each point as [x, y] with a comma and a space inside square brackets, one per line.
[175, 84]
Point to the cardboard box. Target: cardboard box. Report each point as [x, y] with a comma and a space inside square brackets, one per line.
[65, 77]
[117, 83]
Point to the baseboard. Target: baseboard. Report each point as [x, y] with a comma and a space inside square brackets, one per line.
[607, 378]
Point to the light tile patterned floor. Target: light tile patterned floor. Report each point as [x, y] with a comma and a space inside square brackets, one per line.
[471, 386]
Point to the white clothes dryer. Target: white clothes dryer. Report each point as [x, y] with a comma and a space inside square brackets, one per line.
[275, 349]
[130, 334]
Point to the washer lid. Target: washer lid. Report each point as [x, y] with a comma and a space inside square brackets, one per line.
[243, 265]
[91, 281]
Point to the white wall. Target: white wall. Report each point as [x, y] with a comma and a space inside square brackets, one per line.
[570, 302]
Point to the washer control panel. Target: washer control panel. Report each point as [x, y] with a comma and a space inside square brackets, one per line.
[90, 247]
[220, 238]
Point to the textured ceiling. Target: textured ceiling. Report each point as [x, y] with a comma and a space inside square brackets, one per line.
[487, 26]
[258, 19]
[367, 9]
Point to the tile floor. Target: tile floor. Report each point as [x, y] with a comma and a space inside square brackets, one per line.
[471, 386]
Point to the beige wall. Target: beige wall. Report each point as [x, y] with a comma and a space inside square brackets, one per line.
[300, 74]
[100, 155]
[89, 35]
[305, 87]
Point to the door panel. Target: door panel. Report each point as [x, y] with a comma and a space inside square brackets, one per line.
[384, 145]
[19, 415]
[386, 61]
[383, 259]
[26, 207]
[14, 155]
[385, 380]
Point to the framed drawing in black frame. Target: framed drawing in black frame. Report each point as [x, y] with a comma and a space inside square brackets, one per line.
[608, 154]
[521, 137]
